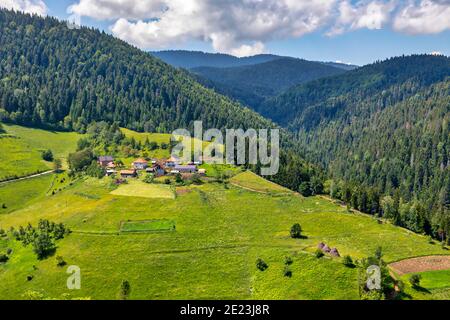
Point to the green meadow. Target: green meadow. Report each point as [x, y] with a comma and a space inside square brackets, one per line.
[220, 233]
[22, 148]
[191, 242]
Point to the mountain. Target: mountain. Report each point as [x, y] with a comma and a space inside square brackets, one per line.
[340, 65]
[251, 85]
[385, 126]
[53, 76]
[193, 59]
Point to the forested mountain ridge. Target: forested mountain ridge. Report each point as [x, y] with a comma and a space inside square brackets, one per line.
[306, 105]
[58, 77]
[381, 130]
[194, 59]
[253, 84]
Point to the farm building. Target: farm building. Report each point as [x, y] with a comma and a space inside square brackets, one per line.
[128, 173]
[202, 172]
[105, 160]
[111, 165]
[185, 169]
[157, 170]
[172, 161]
[140, 164]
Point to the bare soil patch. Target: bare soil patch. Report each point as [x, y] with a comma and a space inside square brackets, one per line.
[421, 264]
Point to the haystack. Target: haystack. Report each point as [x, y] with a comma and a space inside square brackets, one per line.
[335, 253]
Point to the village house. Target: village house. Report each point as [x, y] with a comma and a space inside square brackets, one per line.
[156, 169]
[104, 161]
[202, 172]
[110, 172]
[185, 169]
[172, 162]
[140, 164]
[128, 173]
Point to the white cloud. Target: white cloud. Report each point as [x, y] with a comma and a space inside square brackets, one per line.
[425, 17]
[239, 27]
[28, 6]
[243, 27]
[371, 15]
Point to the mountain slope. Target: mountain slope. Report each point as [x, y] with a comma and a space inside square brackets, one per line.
[384, 126]
[251, 85]
[306, 105]
[53, 76]
[193, 59]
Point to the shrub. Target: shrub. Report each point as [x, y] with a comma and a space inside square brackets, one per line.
[4, 206]
[47, 155]
[288, 261]
[60, 261]
[287, 272]
[3, 258]
[379, 253]
[305, 189]
[178, 178]
[319, 253]
[149, 178]
[348, 261]
[296, 231]
[415, 280]
[8, 251]
[124, 291]
[261, 265]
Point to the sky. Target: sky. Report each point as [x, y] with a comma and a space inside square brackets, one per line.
[349, 31]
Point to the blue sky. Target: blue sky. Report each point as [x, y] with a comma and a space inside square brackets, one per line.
[357, 32]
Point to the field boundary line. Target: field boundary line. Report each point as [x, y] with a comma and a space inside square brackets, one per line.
[34, 175]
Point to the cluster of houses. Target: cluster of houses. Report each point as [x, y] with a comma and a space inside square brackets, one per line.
[157, 167]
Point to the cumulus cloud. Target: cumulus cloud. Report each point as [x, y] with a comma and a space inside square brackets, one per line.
[425, 17]
[370, 15]
[28, 6]
[239, 27]
[242, 27]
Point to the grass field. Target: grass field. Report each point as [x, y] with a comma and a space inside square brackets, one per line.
[22, 193]
[159, 138]
[148, 226]
[137, 188]
[22, 147]
[219, 235]
[251, 181]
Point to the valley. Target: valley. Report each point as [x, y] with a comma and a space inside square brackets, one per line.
[90, 180]
[219, 231]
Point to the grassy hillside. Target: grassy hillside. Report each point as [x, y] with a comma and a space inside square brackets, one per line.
[219, 234]
[22, 147]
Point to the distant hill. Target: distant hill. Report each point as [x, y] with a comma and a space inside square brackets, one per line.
[385, 125]
[193, 59]
[53, 76]
[252, 84]
[344, 66]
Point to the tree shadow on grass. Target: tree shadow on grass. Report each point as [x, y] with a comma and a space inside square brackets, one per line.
[421, 289]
